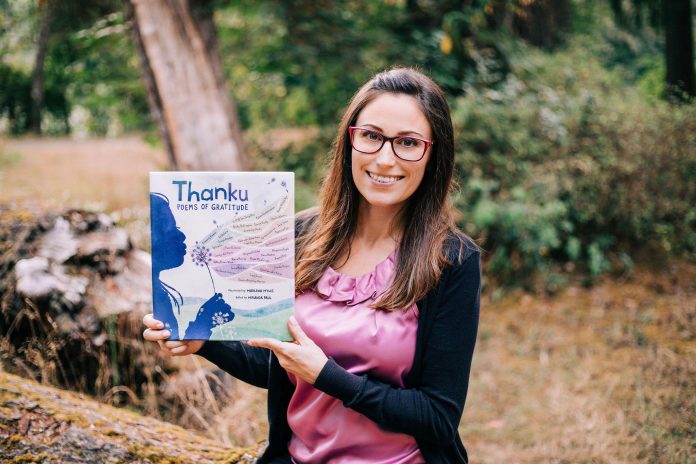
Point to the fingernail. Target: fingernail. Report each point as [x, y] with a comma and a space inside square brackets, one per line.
[166, 333]
[160, 325]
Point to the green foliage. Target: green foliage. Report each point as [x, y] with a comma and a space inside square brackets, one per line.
[92, 82]
[562, 167]
[14, 98]
[305, 59]
[15, 104]
[105, 80]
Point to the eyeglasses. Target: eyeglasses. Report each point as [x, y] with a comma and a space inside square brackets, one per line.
[369, 141]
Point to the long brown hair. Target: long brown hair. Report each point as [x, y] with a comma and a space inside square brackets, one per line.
[426, 218]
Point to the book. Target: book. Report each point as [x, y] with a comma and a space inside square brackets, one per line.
[223, 253]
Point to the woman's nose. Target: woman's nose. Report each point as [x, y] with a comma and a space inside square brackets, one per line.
[386, 156]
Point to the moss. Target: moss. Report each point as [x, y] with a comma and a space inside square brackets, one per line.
[130, 431]
[71, 418]
[155, 455]
[41, 457]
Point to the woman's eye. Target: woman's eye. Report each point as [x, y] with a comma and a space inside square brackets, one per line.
[373, 136]
[408, 142]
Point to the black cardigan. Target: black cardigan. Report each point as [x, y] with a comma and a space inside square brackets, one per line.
[430, 406]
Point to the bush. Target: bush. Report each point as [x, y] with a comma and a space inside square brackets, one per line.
[561, 167]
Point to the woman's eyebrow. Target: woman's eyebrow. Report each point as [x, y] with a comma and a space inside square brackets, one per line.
[398, 133]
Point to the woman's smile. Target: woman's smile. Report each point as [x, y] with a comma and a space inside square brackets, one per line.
[383, 180]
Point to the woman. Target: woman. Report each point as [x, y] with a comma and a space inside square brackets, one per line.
[387, 296]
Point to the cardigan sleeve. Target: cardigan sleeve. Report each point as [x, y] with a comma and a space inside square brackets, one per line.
[430, 411]
[250, 364]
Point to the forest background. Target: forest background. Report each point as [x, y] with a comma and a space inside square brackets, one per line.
[575, 129]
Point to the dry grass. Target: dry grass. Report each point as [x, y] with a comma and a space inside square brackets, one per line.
[109, 174]
[601, 375]
[605, 375]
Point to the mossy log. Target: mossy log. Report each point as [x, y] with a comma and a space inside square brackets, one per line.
[43, 424]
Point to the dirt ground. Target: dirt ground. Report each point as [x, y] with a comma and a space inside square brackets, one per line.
[107, 174]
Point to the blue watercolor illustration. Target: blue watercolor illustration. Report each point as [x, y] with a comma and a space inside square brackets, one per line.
[168, 252]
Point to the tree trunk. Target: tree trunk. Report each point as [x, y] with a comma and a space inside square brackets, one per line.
[37, 76]
[617, 9]
[679, 49]
[543, 22]
[180, 60]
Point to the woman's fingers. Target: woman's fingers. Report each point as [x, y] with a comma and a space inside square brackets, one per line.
[297, 333]
[152, 323]
[178, 349]
[175, 344]
[270, 343]
[156, 335]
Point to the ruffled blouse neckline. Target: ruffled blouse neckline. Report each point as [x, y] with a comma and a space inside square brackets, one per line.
[341, 288]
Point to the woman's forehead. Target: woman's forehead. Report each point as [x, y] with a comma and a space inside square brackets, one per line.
[393, 113]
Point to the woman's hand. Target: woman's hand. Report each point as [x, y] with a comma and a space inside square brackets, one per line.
[301, 357]
[154, 333]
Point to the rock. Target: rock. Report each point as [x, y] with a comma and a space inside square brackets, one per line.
[59, 243]
[128, 290]
[43, 424]
[111, 241]
[38, 277]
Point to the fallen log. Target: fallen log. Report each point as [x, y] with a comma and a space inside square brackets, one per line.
[43, 424]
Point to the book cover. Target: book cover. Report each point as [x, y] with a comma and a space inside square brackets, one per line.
[223, 253]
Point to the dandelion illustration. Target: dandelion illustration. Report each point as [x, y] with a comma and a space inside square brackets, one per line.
[228, 333]
[284, 185]
[220, 318]
[201, 256]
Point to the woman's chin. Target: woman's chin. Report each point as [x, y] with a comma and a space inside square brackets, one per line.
[379, 201]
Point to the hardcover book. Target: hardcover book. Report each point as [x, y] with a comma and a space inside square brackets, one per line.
[223, 253]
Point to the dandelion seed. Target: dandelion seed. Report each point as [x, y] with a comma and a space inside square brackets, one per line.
[220, 318]
[201, 256]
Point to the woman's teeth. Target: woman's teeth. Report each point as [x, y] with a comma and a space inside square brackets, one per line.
[383, 179]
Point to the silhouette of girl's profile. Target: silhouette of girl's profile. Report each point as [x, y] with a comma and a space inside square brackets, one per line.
[168, 252]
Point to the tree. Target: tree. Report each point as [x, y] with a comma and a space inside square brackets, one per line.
[674, 16]
[679, 49]
[176, 43]
[47, 10]
[58, 20]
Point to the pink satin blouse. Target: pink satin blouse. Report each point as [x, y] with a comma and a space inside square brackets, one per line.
[363, 341]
